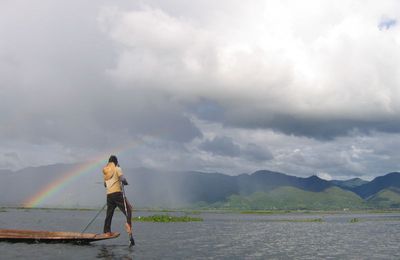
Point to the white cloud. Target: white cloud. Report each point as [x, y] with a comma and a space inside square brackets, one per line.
[324, 176]
[306, 60]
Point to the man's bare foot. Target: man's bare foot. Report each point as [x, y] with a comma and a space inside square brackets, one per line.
[128, 228]
[109, 234]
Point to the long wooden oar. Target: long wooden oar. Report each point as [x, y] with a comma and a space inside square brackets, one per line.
[93, 218]
[132, 241]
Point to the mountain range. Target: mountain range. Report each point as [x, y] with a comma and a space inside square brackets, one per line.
[61, 185]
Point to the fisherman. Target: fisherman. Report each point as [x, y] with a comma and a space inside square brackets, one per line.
[113, 177]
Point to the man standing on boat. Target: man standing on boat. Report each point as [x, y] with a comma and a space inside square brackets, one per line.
[113, 181]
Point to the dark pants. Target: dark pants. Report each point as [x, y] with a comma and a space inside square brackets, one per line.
[116, 200]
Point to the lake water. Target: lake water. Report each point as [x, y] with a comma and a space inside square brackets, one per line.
[219, 236]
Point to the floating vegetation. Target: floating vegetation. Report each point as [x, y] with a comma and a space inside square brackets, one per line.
[354, 220]
[303, 220]
[166, 218]
[265, 212]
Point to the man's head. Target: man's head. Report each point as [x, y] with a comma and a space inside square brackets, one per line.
[113, 159]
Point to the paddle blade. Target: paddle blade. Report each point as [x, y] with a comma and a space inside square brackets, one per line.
[132, 241]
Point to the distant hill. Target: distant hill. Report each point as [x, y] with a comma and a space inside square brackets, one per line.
[268, 180]
[379, 183]
[192, 187]
[165, 189]
[386, 198]
[259, 190]
[349, 184]
[290, 198]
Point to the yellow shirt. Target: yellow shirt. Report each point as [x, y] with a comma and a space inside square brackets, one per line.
[111, 174]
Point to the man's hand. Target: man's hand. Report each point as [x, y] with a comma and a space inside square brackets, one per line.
[123, 180]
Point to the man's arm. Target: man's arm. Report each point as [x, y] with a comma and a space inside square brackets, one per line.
[121, 176]
[123, 180]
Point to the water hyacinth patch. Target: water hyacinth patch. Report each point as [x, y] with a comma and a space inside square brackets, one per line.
[354, 220]
[166, 218]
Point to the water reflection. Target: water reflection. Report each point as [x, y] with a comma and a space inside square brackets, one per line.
[112, 252]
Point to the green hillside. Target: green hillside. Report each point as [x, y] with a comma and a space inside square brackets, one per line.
[293, 198]
[387, 198]
[348, 184]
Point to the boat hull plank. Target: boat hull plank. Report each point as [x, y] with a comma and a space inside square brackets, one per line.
[36, 236]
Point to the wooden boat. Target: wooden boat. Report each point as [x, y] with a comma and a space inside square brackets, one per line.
[35, 236]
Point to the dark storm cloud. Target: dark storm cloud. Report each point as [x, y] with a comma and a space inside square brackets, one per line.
[55, 87]
[207, 109]
[9, 160]
[256, 153]
[224, 146]
[102, 119]
[320, 127]
[137, 112]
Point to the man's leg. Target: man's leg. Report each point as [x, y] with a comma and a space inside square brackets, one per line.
[121, 205]
[110, 212]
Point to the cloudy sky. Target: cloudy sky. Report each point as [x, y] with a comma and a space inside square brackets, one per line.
[302, 87]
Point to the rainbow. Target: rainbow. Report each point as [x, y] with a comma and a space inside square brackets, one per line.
[69, 177]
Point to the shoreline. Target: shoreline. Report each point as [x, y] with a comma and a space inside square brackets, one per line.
[220, 211]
